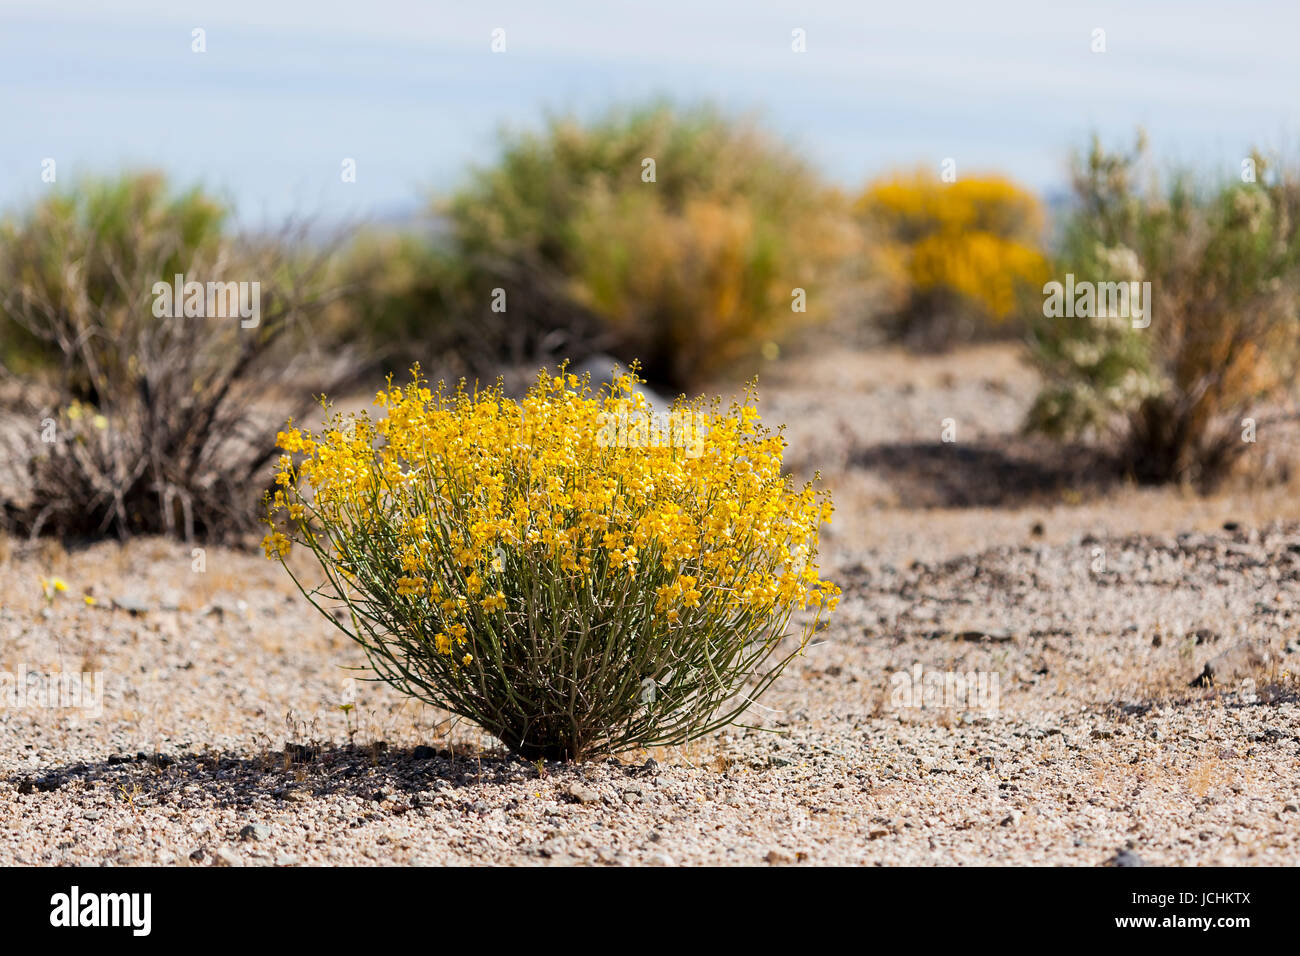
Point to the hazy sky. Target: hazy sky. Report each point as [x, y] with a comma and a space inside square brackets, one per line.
[412, 91]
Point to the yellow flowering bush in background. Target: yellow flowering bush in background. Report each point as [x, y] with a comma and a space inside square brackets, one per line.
[966, 253]
[559, 570]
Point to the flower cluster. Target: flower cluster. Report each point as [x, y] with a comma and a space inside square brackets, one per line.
[975, 239]
[482, 540]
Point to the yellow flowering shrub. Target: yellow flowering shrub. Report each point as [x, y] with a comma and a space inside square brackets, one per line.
[574, 586]
[972, 246]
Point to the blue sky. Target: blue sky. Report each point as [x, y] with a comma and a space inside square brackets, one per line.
[412, 91]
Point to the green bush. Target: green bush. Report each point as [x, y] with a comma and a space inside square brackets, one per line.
[411, 298]
[1222, 263]
[67, 268]
[141, 422]
[687, 273]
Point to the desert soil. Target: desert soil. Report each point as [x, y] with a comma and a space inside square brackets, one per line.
[1112, 681]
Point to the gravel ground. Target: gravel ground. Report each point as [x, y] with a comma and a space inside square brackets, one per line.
[1111, 679]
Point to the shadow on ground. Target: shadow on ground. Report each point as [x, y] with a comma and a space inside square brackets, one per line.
[297, 774]
[1012, 473]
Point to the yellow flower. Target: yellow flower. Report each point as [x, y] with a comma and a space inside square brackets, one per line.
[276, 544]
[410, 587]
[475, 504]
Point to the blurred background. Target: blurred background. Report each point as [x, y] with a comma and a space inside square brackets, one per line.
[861, 206]
[411, 91]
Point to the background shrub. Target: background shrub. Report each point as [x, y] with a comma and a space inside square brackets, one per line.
[689, 273]
[153, 420]
[1222, 260]
[415, 296]
[966, 255]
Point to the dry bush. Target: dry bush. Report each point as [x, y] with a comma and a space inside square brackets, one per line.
[1222, 260]
[139, 423]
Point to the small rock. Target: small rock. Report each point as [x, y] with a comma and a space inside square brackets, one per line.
[650, 766]
[579, 793]
[198, 855]
[660, 859]
[255, 831]
[978, 634]
[424, 753]
[1291, 808]
[131, 604]
[1011, 819]
[779, 857]
[285, 859]
[1126, 858]
[227, 857]
[296, 796]
[1234, 664]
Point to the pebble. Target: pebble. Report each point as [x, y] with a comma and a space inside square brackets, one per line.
[580, 793]
[1126, 858]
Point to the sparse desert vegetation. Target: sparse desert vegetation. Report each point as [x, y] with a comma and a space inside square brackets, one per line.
[228, 703]
[1066, 569]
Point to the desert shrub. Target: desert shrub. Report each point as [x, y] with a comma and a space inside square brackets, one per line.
[137, 422]
[409, 297]
[966, 255]
[688, 273]
[562, 571]
[1221, 260]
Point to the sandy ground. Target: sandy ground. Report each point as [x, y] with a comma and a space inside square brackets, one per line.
[1033, 663]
